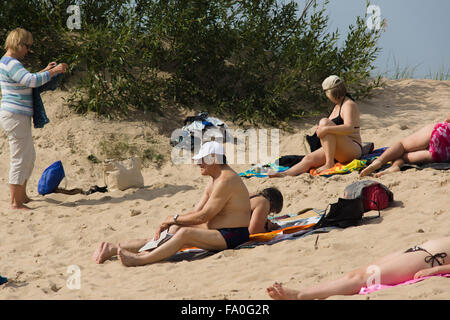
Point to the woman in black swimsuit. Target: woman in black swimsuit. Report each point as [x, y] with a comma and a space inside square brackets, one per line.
[339, 133]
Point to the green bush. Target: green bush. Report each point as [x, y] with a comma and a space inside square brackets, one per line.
[260, 61]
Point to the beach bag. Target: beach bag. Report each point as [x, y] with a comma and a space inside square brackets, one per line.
[359, 198]
[344, 213]
[374, 195]
[121, 175]
[288, 161]
[314, 142]
[51, 178]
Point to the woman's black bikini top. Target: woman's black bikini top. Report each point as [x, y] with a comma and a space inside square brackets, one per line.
[338, 120]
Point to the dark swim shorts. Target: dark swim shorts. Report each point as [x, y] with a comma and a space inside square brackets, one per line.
[234, 236]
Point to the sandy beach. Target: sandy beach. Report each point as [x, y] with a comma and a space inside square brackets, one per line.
[37, 247]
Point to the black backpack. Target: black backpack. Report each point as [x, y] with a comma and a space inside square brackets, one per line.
[349, 211]
[344, 213]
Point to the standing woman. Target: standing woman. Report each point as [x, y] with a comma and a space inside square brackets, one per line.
[16, 110]
[339, 134]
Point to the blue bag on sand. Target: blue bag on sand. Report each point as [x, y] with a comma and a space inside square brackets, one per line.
[51, 178]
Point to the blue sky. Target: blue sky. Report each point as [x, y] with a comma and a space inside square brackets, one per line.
[417, 34]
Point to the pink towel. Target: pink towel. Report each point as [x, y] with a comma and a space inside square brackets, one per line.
[377, 287]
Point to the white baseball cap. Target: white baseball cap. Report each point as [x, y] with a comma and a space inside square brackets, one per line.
[208, 148]
[331, 82]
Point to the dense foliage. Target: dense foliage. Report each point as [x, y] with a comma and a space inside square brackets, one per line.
[250, 60]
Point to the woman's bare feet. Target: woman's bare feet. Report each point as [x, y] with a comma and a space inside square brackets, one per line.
[375, 165]
[278, 292]
[324, 167]
[104, 251]
[391, 169]
[129, 259]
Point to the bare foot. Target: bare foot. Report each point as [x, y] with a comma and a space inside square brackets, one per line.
[20, 207]
[324, 167]
[391, 169]
[276, 174]
[278, 292]
[375, 165]
[128, 258]
[104, 251]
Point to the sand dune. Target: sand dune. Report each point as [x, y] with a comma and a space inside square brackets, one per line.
[37, 247]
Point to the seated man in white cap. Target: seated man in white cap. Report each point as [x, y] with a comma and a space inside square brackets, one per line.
[339, 133]
[219, 221]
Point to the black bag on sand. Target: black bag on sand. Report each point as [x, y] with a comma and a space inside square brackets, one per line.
[288, 161]
[314, 142]
[344, 213]
[360, 197]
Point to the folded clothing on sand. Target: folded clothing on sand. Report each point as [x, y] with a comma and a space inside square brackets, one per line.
[376, 287]
[261, 171]
[3, 280]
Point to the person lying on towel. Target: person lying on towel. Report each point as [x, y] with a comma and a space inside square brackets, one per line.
[339, 134]
[219, 221]
[428, 259]
[268, 201]
[428, 144]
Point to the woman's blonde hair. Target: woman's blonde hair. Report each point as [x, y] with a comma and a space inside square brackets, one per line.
[18, 37]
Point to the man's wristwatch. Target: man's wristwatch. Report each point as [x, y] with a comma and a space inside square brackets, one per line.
[175, 217]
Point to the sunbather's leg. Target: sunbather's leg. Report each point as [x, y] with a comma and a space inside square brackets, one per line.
[394, 268]
[184, 237]
[418, 141]
[341, 148]
[422, 156]
[395, 167]
[107, 250]
[312, 160]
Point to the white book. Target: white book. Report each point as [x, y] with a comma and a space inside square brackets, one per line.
[152, 244]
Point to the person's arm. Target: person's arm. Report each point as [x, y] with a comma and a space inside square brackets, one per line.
[432, 271]
[259, 217]
[219, 197]
[19, 74]
[216, 201]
